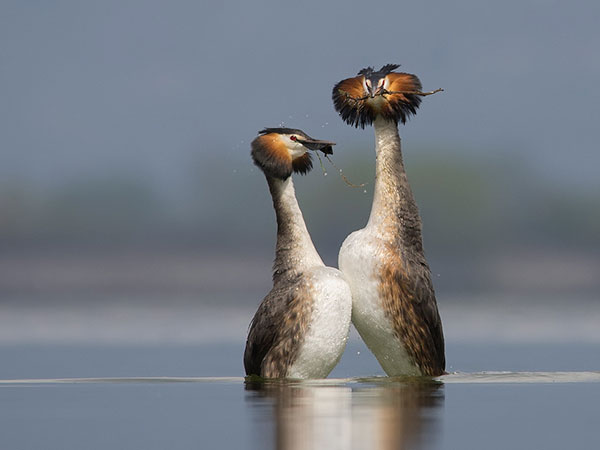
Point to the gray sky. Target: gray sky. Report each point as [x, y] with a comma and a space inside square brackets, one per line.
[147, 87]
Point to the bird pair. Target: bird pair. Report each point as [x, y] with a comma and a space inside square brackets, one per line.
[384, 283]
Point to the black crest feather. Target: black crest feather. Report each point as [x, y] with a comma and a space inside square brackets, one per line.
[302, 164]
[388, 68]
[366, 71]
[282, 130]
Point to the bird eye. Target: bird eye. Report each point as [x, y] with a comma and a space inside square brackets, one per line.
[293, 138]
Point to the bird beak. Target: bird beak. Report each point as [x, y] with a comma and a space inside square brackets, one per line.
[375, 91]
[317, 144]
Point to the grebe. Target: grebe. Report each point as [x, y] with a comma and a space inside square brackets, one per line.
[394, 307]
[301, 327]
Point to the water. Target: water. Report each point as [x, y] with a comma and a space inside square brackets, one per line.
[163, 375]
[370, 414]
[193, 396]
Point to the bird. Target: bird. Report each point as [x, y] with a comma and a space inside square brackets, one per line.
[301, 327]
[394, 307]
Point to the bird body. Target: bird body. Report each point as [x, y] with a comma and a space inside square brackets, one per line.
[330, 302]
[357, 262]
[301, 327]
[394, 307]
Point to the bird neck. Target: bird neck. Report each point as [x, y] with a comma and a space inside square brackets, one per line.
[295, 251]
[394, 214]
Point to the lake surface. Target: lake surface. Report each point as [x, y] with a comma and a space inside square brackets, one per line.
[165, 375]
[193, 396]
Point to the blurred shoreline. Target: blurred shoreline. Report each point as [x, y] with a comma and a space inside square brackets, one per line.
[159, 320]
[57, 275]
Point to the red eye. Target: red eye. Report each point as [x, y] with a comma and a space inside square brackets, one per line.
[293, 138]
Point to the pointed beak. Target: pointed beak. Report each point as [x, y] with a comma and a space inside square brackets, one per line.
[317, 144]
[378, 91]
[375, 91]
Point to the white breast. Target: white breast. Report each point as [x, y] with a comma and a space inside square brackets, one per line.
[327, 334]
[359, 260]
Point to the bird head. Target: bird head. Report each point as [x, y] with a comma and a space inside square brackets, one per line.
[372, 93]
[281, 151]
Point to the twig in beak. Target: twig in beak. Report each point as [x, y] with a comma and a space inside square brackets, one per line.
[348, 96]
[422, 94]
[385, 92]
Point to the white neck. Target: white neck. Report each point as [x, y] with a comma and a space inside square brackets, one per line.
[295, 250]
[394, 214]
[388, 164]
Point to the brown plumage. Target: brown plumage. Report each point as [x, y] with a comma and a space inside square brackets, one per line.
[397, 101]
[405, 287]
[409, 303]
[278, 328]
[351, 87]
[271, 154]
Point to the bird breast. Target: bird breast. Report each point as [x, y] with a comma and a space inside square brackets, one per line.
[327, 334]
[361, 259]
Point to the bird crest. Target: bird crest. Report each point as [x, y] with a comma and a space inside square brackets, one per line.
[388, 68]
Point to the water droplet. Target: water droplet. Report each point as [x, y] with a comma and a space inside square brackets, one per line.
[358, 353]
[325, 174]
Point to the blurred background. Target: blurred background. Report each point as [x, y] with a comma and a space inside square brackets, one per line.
[130, 210]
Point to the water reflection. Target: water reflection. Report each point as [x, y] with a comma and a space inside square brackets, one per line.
[384, 415]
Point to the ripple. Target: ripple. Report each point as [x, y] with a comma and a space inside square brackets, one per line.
[453, 378]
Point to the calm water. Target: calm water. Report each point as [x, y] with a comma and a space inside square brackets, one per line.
[549, 411]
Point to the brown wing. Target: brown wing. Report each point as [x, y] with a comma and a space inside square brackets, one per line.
[277, 330]
[409, 302]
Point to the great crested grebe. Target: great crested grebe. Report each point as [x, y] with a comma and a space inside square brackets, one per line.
[301, 327]
[394, 307]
